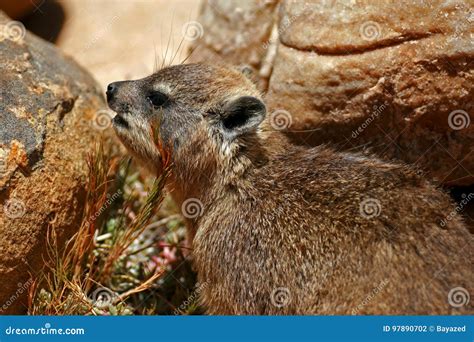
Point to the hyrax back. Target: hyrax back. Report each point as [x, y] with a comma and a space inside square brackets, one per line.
[292, 230]
[331, 233]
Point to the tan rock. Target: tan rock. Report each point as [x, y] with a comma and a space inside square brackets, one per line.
[50, 116]
[236, 31]
[395, 78]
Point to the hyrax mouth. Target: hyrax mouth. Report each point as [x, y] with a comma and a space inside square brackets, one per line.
[120, 122]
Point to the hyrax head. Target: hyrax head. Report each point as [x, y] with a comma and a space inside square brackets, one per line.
[195, 107]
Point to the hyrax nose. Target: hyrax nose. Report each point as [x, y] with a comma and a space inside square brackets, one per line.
[111, 91]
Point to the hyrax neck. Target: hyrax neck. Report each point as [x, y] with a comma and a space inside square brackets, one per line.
[208, 171]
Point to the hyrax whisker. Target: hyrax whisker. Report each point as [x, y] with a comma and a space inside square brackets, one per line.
[192, 49]
[155, 64]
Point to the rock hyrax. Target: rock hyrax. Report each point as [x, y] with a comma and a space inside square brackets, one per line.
[282, 229]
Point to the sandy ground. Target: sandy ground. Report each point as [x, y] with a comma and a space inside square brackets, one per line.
[115, 39]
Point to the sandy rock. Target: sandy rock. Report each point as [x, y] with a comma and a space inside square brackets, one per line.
[398, 82]
[51, 112]
[236, 31]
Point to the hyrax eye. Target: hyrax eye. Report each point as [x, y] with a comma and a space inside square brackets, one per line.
[158, 99]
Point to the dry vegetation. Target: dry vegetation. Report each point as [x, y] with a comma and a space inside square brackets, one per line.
[126, 257]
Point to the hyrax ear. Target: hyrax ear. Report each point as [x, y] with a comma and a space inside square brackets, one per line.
[242, 115]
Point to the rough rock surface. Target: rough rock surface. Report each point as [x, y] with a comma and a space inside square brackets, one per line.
[48, 124]
[393, 77]
[234, 31]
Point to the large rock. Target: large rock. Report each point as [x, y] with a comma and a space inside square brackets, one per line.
[50, 115]
[396, 78]
[234, 30]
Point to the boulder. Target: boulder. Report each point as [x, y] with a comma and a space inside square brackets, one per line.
[395, 79]
[233, 32]
[51, 113]
[19, 8]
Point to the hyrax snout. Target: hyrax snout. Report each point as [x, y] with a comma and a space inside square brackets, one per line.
[282, 229]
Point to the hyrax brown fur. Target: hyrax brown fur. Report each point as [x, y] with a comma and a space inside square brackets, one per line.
[291, 230]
